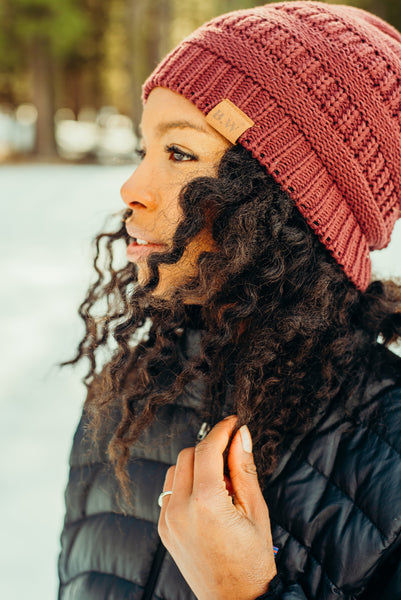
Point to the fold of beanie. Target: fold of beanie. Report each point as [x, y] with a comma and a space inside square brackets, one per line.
[322, 84]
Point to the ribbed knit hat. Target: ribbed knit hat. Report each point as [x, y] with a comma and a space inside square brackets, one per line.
[321, 84]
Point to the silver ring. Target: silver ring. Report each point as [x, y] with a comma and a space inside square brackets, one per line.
[160, 499]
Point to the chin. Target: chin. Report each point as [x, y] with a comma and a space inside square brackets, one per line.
[142, 275]
[162, 291]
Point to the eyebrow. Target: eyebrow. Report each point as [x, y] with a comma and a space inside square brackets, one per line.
[164, 127]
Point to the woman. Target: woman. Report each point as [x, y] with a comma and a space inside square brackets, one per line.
[246, 328]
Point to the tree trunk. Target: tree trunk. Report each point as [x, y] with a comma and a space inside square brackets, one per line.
[43, 96]
[72, 88]
[148, 39]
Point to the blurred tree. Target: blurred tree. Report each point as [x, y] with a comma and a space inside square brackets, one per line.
[84, 63]
[79, 53]
[389, 10]
[153, 27]
[147, 33]
[40, 33]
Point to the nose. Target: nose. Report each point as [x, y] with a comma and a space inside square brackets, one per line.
[137, 191]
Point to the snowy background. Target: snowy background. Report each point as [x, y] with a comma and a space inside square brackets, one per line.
[50, 214]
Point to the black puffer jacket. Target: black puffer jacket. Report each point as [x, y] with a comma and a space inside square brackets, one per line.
[334, 502]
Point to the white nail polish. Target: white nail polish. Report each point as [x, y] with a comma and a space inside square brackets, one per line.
[245, 438]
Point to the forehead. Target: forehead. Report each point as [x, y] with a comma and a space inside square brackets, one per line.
[164, 104]
[166, 110]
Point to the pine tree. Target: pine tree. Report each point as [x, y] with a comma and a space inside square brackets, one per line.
[40, 33]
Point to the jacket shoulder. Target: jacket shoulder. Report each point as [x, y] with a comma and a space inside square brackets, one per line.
[335, 502]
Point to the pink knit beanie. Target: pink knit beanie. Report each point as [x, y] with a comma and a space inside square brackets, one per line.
[316, 97]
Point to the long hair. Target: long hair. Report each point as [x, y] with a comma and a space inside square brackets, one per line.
[281, 322]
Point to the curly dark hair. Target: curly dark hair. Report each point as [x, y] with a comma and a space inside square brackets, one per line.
[281, 322]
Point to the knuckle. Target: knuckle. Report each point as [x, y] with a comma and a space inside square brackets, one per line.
[172, 513]
[202, 448]
[185, 454]
[249, 468]
[202, 498]
[174, 519]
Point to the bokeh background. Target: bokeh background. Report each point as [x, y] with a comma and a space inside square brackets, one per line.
[70, 80]
[71, 70]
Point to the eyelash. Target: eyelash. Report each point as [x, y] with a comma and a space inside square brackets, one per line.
[171, 150]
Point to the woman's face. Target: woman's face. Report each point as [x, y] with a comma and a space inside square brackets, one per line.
[178, 145]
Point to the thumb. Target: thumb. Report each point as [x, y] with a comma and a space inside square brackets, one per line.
[243, 474]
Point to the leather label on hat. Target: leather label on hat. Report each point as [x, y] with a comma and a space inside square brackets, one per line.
[229, 120]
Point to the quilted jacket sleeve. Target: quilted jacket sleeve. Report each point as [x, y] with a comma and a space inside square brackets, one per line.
[386, 585]
[358, 469]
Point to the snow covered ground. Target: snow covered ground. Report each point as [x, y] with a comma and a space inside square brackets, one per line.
[49, 216]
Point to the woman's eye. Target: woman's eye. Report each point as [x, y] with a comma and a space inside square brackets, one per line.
[140, 152]
[178, 155]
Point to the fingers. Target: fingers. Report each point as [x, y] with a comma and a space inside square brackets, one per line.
[169, 479]
[167, 486]
[200, 468]
[179, 478]
[184, 473]
[209, 461]
[243, 474]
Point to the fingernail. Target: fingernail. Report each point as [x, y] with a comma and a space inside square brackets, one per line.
[245, 439]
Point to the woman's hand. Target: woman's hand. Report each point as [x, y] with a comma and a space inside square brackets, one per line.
[222, 544]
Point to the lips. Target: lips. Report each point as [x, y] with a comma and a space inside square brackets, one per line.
[140, 252]
[142, 245]
[141, 236]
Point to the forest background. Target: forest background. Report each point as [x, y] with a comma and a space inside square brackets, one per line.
[63, 57]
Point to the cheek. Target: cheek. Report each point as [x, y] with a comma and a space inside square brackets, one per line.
[188, 264]
[172, 276]
[169, 213]
[203, 242]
